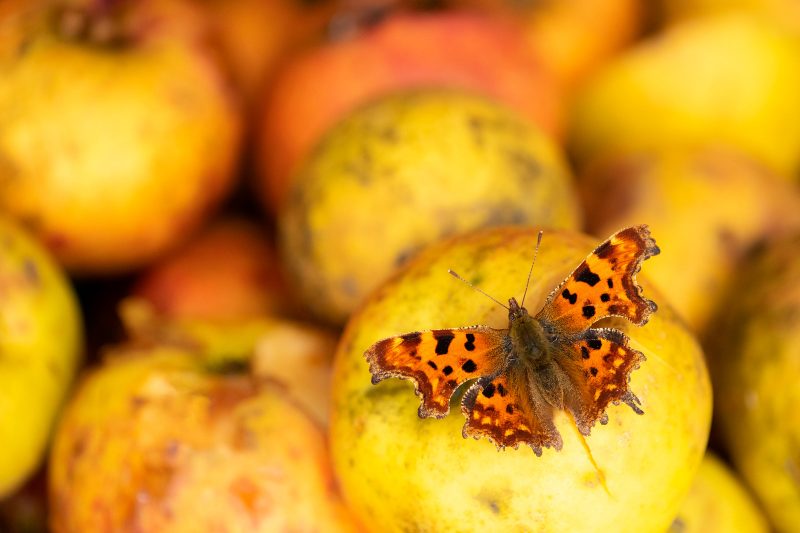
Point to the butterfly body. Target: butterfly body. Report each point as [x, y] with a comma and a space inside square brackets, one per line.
[554, 360]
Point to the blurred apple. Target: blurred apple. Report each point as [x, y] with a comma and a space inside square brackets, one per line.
[118, 132]
[457, 50]
[403, 172]
[730, 79]
[41, 346]
[718, 503]
[573, 37]
[228, 272]
[256, 34]
[781, 11]
[153, 441]
[296, 354]
[754, 361]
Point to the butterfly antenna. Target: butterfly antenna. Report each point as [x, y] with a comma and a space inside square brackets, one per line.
[495, 300]
[528, 282]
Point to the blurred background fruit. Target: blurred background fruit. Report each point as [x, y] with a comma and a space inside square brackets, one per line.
[755, 364]
[197, 451]
[731, 79]
[399, 472]
[408, 170]
[228, 272]
[572, 37]
[780, 11]
[256, 35]
[718, 503]
[707, 206]
[455, 50]
[296, 354]
[112, 167]
[41, 345]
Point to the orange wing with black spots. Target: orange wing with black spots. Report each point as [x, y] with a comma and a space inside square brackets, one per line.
[438, 361]
[603, 285]
[598, 364]
[501, 409]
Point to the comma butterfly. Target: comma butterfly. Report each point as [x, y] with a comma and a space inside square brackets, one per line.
[554, 360]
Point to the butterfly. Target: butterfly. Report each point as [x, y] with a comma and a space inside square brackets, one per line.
[553, 360]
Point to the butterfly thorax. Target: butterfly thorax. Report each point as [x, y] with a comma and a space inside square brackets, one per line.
[529, 340]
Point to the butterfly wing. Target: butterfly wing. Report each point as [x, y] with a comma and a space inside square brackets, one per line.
[603, 285]
[438, 361]
[598, 365]
[501, 409]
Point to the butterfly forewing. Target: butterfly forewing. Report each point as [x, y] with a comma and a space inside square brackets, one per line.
[438, 361]
[501, 409]
[603, 285]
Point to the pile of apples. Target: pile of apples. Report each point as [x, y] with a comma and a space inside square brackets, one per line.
[209, 209]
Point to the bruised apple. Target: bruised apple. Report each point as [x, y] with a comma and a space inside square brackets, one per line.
[405, 171]
[399, 472]
[447, 49]
[154, 441]
[118, 130]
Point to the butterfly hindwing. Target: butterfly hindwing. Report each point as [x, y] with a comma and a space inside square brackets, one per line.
[500, 408]
[603, 285]
[438, 361]
[598, 364]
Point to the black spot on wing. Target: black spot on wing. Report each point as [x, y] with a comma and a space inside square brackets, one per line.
[469, 366]
[570, 297]
[447, 370]
[588, 311]
[610, 283]
[470, 344]
[605, 297]
[433, 365]
[587, 276]
[584, 352]
[488, 390]
[443, 341]
[595, 344]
